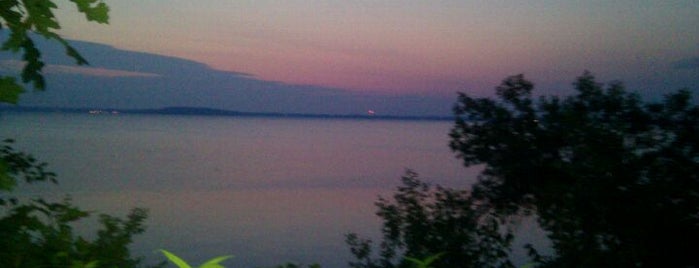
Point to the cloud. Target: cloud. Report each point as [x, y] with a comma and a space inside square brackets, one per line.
[688, 63]
[102, 72]
[16, 66]
[118, 78]
[121, 79]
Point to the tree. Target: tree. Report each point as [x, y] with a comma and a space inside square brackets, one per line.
[443, 226]
[613, 180]
[37, 232]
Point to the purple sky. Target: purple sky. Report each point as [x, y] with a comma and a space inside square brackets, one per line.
[407, 46]
[410, 47]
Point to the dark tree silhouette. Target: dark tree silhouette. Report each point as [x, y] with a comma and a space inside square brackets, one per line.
[39, 232]
[424, 221]
[613, 180]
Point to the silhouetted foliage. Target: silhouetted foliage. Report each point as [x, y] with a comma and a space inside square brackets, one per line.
[38, 233]
[613, 180]
[424, 221]
[14, 165]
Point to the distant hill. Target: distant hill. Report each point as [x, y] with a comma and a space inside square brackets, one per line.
[203, 111]
[186, 111]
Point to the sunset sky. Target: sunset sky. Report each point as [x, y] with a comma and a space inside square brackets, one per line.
[423, 47]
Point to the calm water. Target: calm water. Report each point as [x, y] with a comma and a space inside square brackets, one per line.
[265, 190]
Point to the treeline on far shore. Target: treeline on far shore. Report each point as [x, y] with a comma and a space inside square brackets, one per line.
[202, 111]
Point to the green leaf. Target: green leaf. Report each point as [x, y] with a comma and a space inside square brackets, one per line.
[32, 70]
[14, 42]
[92, 264]
[79, 264]
[174, 259]
[100, 13]
[9, 90]
[429, 260]
[11, 17]
[214, 263]
[94, 10]
[40, 17]
[70, 51]
[7, 183]
[426, 262]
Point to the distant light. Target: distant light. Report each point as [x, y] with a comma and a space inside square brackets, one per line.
[370, 112]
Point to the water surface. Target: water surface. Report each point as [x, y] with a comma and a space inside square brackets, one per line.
[268, 190]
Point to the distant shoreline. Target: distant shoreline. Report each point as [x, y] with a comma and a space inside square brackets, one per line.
[199, 111]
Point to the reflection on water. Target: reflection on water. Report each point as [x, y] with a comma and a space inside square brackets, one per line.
[266, 190]
[260, 227]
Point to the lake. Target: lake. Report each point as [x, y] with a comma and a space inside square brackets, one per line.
[267, 190]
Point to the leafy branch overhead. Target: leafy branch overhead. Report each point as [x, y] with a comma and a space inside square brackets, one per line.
[24, 17]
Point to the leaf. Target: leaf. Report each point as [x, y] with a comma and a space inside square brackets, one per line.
[92, 264]
[174, 259]
[413, 260]
[7, 183]
[426, 262]
[14, 42]
[9, 90]
[71, 214]
[70, 51]
[32, 70]
[79, 264]
[429, 260]
[11, 17]
[214, 263]
[98, 13]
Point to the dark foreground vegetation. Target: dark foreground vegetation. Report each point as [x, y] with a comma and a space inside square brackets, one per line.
[38, 232]
[613, 181]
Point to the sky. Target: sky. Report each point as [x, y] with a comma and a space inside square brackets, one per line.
[409, 47]
[399, 46]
